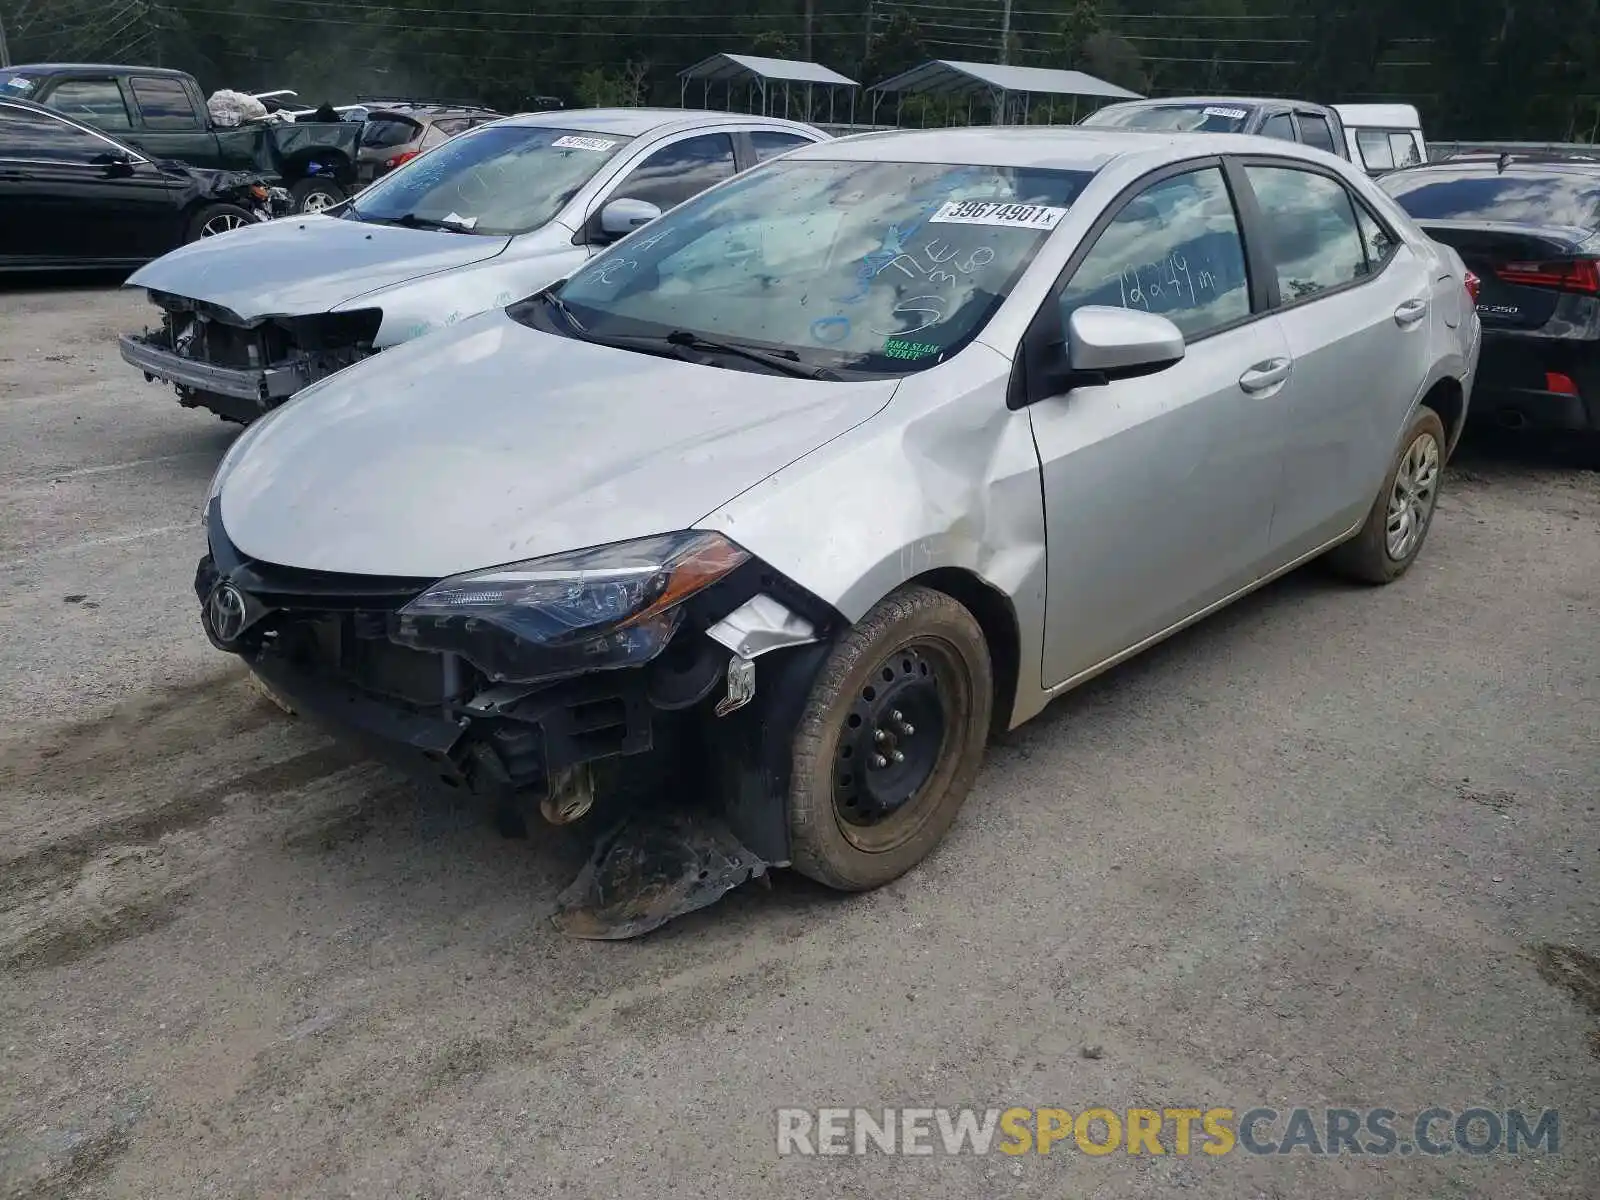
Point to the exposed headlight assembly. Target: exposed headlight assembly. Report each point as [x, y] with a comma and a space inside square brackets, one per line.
[587, 610]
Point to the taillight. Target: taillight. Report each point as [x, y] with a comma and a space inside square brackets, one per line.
[1473, 284]
[394, 162]
[1575, 275]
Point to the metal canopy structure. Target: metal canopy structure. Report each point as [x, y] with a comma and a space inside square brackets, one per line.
[759, 76]
[998, 82]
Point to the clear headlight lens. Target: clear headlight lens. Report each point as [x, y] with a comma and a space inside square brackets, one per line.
[588, 610]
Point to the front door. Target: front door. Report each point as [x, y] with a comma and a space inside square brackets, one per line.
[1158, 491]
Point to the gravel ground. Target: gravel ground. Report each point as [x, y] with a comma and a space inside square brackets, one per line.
[1304, 854]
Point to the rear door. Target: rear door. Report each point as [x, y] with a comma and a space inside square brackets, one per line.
[1317, 131]
[1356, 312]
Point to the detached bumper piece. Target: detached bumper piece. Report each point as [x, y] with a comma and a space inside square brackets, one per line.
[257, 390]
[684, 761]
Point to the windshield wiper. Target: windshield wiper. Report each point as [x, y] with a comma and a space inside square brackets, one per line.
[412, 221]
[785, 362]
[560, 305]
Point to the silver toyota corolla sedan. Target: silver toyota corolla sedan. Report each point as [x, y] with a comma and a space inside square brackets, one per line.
[763, 522]
[475, 223]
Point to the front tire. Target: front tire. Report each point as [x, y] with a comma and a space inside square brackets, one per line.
[317, 195]
[890, 741]
[1403, 512]
[218, 218]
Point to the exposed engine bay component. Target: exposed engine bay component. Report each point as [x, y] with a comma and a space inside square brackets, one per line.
[653, 867]
[242, 369]
[741, 685]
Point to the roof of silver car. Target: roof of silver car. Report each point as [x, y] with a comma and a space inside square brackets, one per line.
[631, 122]
[1064, 147]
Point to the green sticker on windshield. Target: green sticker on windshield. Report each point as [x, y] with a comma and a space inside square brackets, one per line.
[899, 348]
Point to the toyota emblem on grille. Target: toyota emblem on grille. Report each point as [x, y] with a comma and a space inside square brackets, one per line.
[225, 611]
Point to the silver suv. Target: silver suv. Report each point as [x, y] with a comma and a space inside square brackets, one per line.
[396, 133]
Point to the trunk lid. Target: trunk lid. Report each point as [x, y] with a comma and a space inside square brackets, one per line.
[1506, 300]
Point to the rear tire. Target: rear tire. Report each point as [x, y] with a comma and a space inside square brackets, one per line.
[316, 195]
[1403, 512]
[890, 741]
[218, 218]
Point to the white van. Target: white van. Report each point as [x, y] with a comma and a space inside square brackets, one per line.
[1383, 137]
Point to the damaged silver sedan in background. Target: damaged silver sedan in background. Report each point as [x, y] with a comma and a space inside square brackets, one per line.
[740, 543]
[475, 223]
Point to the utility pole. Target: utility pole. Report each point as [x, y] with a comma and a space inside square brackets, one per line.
[1005, 32]
[5, 54]
[811, 12]
[866, 42]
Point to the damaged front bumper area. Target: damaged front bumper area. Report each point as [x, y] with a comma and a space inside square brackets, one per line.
[680, 763]
[240, 369]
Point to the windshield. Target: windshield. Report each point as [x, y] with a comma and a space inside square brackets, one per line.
[1188, 118]
[501, 179]
[16, 84]
[867, 266]
[1526, 198]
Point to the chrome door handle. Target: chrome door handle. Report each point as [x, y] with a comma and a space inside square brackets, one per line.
[1410, 313]
[1265, 375]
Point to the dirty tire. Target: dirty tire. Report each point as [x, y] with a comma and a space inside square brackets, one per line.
[1366, 557]
[911, 618]
[316, 195]
[211, 219]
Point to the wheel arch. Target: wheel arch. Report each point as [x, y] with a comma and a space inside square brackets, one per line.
[997, 617]
[1448, 398]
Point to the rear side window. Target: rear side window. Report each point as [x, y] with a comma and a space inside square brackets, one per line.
[1280, 127]
[1173, 250]
[35, 137]
[768, 143]
[1482, 194]
[95, 102]
[1404, 148]
[1315, 131]
[1376, 239]
[1312, 236]
[164, 103]
[380, 133]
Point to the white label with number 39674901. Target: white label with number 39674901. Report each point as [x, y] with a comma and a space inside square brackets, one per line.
[569, 142]
[998, 212]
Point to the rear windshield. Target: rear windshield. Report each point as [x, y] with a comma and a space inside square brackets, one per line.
[1220, 117]
[381, 132]
[1516, 197]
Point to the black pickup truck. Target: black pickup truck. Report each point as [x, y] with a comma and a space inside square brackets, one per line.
[163, 113]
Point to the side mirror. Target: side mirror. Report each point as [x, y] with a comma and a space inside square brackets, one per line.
[117, 162]
[1107, 344]
[622, 217]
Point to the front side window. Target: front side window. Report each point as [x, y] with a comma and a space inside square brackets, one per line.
[1315, 131]
[1280, 127]
[673, 173]
[1173, 250]
[164, 103]
[34, 137]
[1220, 117]
[1310, 223]
[875, 267]
[498, 180]
[97, 102]
[769, 143]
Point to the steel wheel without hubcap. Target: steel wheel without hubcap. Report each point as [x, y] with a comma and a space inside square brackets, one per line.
[1416, 486]
[893, 740]
[222, 223]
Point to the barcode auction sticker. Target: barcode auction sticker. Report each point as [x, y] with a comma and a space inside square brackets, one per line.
[995, 212]
[1233, 114]
[569, 142]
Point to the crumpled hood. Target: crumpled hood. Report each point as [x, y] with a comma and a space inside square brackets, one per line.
[490, 443]
[300, 265]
